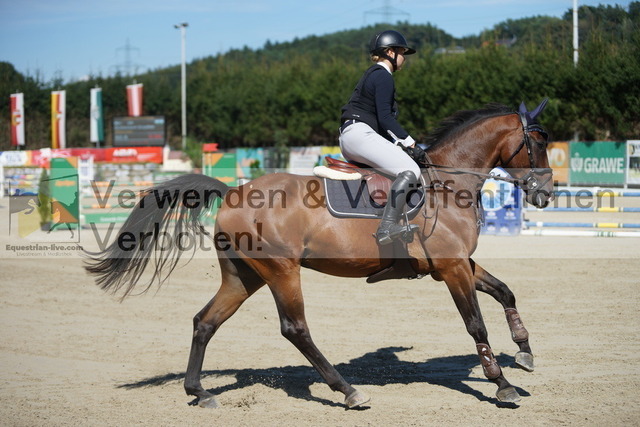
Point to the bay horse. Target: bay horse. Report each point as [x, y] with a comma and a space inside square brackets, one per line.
[266, 240]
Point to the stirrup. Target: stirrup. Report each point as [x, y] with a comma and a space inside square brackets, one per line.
[405, 232]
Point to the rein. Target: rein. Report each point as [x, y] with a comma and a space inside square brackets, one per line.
[455, 171]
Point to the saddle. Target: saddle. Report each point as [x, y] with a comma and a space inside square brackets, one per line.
[378, 185]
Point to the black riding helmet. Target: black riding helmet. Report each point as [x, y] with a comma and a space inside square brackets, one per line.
[389, 39]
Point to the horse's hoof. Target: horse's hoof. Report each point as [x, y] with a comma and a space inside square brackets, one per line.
[355, 399]
[508, 394]
[208, 402]
[524, 360]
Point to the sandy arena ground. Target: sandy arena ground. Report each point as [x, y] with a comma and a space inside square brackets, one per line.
[72, 355]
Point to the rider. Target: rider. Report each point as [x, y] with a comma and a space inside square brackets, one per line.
[371, 135]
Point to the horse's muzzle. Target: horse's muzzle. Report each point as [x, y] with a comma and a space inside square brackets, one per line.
[538, 186]
[539, 199]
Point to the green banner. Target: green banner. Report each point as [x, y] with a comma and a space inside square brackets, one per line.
[221, 166]
[64, 193]
[597, 163]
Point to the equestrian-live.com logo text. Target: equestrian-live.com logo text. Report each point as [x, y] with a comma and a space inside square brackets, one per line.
[43, 249]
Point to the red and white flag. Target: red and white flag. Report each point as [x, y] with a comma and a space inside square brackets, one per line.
[134, 99]
[17, 119]
[58, 119]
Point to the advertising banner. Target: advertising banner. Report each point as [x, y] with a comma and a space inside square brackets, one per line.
[48, 211]
[58, 119]
[333, 152]
[558, 153]
[221, 166]
[133, 155]
[64, 193]
[41, 158]
[250, 161]
[633, 162]
[97, 154]
[14, 158]
[597, 163]
[17, 119]
[302, 160]
[502, 206]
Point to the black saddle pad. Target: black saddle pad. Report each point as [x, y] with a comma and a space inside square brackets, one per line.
[351, 199]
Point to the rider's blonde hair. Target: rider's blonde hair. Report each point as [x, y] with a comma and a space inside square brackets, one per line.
[378, 58]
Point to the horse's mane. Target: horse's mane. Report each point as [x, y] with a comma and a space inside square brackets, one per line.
[455, 123]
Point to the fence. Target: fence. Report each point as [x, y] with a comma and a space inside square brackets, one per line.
[586, 212]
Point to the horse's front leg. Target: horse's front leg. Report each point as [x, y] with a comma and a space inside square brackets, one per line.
[487, 283]
[458, 275]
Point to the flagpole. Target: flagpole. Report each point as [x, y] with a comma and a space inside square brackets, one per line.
[183, 72]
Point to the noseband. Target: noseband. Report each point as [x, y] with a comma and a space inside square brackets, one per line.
[531, 180]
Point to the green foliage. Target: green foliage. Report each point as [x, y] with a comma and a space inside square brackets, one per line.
[256, 169]
[194, 152]
[610, 74]
[290, 94]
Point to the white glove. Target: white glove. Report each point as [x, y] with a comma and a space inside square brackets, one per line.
[407, 142]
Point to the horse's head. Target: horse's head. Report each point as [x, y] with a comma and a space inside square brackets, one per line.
[531, 166]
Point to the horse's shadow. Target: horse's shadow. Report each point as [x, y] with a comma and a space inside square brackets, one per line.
[380, 367]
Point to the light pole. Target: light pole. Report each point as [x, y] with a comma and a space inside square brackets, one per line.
[183, 32]
[575, 33]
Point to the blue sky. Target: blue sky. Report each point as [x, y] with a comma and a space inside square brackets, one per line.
[73, 38]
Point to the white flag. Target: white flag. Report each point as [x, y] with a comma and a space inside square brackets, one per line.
[96, 120]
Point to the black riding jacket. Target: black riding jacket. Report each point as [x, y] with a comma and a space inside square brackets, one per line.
[373, 102]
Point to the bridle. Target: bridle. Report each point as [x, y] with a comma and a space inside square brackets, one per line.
[530, 180]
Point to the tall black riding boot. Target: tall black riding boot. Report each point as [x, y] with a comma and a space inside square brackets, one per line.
[389, 228]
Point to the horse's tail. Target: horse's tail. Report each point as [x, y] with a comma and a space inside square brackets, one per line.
[167, 211]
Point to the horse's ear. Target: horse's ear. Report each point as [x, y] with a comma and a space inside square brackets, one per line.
[538, 110]
[523, 108]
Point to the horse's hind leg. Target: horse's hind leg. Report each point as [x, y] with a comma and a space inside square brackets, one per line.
[487, 283]
[238, 284]
[458, 275]
[293, 325]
